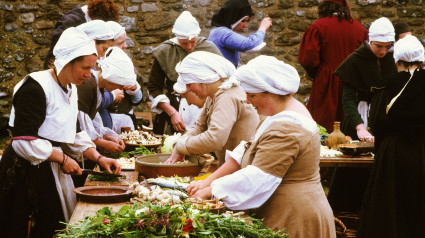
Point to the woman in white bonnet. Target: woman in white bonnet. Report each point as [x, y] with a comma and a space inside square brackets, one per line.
[276, 173]
[116, 71]
[226, 118]
[394, 204]
[122, 112]
[36, 168]
[368, 64]
[163, 74]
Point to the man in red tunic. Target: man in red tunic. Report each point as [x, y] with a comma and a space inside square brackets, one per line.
[325, 44]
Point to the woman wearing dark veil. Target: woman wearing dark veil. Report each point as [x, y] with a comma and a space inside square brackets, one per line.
[231, 19]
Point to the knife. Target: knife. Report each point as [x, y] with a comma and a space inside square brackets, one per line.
[89, 171]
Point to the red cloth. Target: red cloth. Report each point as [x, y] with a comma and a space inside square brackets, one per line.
[325, 44]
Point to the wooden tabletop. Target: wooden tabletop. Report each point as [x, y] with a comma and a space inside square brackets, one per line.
[83, 209]
[347, 161]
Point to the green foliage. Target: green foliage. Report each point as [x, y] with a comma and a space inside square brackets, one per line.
[323, 134]
[182, 220]
[142, 150]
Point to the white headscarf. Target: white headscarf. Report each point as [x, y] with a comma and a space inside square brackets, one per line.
[268, 74]
[205, 67]
[116, 28]
[186, 26]
[381, 30]
[408, 49]
[97, 30]
[117, 67]
[72, 43]
[179, 87]
[236, 23]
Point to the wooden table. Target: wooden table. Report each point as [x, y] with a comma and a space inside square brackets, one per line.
[83, 209]
[347, 161]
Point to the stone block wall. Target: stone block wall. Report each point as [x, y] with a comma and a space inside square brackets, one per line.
[25, 30]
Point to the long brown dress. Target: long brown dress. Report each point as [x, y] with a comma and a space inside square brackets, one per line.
[299, 204]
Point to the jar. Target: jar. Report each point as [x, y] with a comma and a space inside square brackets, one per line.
[336, 137]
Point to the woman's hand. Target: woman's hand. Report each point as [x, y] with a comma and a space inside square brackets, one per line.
[364, 134]
[175, 156]
[119, 95]
[110, 164]
[113, 147]
[114, 139]
[71, 167]
[265, 24]
[195, 186]
[177, 122]
[204, 193]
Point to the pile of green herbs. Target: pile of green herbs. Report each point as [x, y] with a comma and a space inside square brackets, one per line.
[141, 150]
[181, 220]
[98, 177]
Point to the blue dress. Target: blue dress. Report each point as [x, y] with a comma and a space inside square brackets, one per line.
[231, 43]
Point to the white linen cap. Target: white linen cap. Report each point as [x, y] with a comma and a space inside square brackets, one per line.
[186, 26]
[117, 67]
[179, 87]
[408, 49]
[97, 30]
[205, 67]
[268, 74]
[116, 28]
[72, 43]
[381, 30]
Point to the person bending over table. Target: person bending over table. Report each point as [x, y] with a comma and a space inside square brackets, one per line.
[226, 118]
[275, 173]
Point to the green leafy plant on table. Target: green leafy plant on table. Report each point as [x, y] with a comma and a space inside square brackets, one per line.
[181, 220]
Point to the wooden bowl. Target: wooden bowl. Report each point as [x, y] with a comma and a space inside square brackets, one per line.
[104, 194]
[152, 166]
[356, 148]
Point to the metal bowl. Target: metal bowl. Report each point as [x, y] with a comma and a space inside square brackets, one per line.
[152, 166]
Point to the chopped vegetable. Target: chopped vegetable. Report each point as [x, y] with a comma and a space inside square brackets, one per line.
[169, 142]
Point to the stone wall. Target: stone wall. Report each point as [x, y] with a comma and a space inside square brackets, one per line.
[26, 27]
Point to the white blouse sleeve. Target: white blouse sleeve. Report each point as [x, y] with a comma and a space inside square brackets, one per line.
[156, 100]
[86, 124]
[246, 188]
[237, 152]
[35, 151]
[102, 130]
[81, 143]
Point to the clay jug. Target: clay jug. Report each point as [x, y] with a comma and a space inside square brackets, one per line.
[336, 137]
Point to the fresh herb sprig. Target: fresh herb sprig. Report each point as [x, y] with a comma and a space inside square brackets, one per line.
[142, 150]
